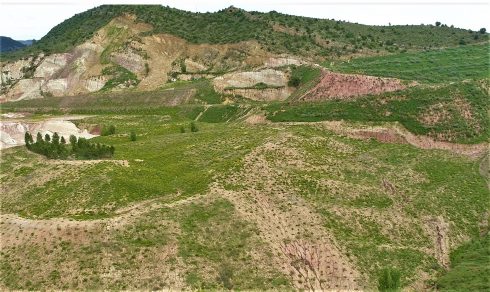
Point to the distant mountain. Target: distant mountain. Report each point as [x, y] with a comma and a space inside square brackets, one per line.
[7, 44]
[27, 42]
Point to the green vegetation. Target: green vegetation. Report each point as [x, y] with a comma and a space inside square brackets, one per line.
[132, 136]
[303, 78]
[276, 32]
[212, 236]
[389, 281]
[110, 130]
[469, 267]
[260, 86]
[453, 64]
[456, 112]
[57, 149]
[120, 77]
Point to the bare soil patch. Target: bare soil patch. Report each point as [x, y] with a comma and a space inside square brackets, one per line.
[347, 86]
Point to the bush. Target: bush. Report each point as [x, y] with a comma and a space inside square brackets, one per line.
[294, 81]
[132, 135]
[389, 280]
[182, 129]
[194, 127]
[106, 131]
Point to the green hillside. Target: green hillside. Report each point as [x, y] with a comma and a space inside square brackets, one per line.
[275, 31]
[452, 64]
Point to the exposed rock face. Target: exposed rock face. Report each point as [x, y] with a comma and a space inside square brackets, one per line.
[194, 67]
[274, 62]
[95, 83]
[244, 83]
[153, 59]
[26, 89]
[249, 79]
[345, 86]
[57, 87]
[268, 94]
[51, 65]
[130, 60]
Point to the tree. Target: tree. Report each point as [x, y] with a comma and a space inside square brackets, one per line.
[47, 138]
[73, 140]
[438, 23]
[39, 138]
[56, 138]
[194, 127]
[295, 81]
[483, 30]
[28, 139]
[389, 281]
[132, 135]
[62, 140]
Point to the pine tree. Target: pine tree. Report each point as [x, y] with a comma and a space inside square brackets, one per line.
[39, 138]
[56, 138]
[62, 140]
[47, 138]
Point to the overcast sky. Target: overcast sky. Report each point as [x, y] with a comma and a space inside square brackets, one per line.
[32, 19]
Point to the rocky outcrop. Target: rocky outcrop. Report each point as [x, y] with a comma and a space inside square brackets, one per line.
[25, 89]
[268, 94]
[269, 77]
[154, 59]
[275, 62]
[263, 85]
[51, 65]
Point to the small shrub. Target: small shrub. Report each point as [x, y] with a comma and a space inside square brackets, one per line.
[194, 127]
[132, 135]
[182, 129]
[389, 280]
[294, 81]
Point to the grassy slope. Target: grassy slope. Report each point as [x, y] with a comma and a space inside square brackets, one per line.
[454, 64]
[275, 31]
[176, 166]
[470, 267]
[408, 107]
[148, 244]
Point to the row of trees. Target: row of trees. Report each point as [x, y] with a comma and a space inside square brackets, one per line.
[55, 147]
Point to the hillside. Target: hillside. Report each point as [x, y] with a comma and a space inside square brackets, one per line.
[7, 44]
[276, 32]
[250, 151]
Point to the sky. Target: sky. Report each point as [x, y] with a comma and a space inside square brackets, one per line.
[32, 19]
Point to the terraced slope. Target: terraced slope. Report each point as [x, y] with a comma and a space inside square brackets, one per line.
[236, 206]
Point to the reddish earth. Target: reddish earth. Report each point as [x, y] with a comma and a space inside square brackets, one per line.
[345, 86]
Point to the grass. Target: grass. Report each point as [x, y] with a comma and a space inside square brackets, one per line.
[120, 76]
[205, 240]
[172, 162]
[469, 267]
[379, 227]
[306, 77]
[461, 108]
[213, 237]
[433, 66]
